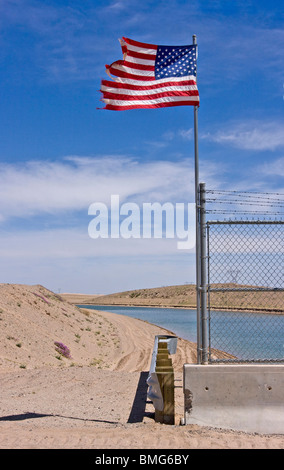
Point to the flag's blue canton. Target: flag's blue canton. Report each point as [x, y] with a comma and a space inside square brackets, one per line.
[175, 61]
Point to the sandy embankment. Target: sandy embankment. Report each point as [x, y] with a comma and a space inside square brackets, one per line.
[97, 398]
[184, 296]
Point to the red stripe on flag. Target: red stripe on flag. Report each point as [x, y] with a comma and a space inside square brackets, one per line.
[129, 86]
[120, 73]
[134, 65]
[140, 44]
[152, 96]
[158, 105]
[140, 55]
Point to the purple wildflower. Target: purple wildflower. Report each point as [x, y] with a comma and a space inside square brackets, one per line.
[62, 349]
[41, 297]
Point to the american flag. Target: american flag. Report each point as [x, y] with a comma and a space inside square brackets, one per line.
[151, 76]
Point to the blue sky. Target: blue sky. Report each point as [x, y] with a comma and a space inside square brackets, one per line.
[59, 153]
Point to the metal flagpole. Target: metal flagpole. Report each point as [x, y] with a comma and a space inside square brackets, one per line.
[197, 226]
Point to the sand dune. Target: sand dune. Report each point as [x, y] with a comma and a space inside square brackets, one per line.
[96, 397]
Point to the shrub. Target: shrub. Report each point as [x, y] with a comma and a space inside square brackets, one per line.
[62, 349]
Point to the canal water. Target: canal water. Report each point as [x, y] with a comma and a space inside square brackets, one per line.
[245, 335]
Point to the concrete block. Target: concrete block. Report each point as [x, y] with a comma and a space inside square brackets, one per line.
[240, 397]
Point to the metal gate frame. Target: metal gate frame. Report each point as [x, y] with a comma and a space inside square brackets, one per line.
[210, 289]
[204, 287]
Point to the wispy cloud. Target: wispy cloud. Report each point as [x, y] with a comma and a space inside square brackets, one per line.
[273, 168]
[58, 189]
[66, 41]
[186, 134]
[60, 40]
[72, 184]
[250, 135]
[76, 243]
[116, 6]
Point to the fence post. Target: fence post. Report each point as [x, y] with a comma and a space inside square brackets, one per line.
[166, 381]
[203, 288]
[169, 407]
[165, 375]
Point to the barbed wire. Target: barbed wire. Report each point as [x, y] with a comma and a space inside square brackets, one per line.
[216, 211]
[221, 191]
[244, 202]
[255, 202]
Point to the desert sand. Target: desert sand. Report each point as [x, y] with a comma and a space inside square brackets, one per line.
[96, 397]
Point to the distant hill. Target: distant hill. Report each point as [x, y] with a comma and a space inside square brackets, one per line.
[171, 296]
[184, 296]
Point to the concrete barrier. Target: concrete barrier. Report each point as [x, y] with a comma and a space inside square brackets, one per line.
[246, 397]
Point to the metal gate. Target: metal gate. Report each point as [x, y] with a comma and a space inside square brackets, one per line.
[240, 281]
[245, 291]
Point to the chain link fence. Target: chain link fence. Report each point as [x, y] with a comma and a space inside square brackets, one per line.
[245, 292]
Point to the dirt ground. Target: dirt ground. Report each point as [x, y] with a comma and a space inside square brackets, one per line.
[97, 397]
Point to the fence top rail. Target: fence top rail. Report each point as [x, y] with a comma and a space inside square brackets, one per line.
[246, 289]
[244, 222]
